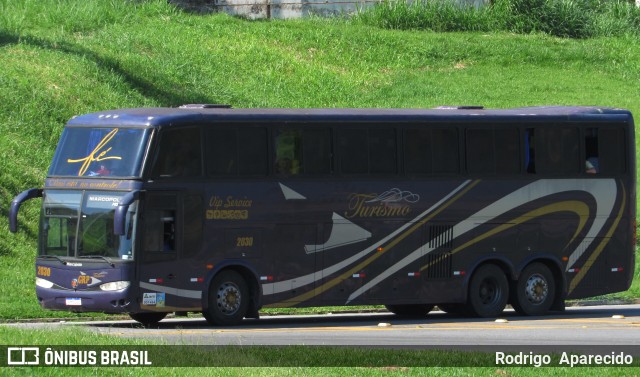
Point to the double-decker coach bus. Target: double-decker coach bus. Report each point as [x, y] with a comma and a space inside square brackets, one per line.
[225, 211]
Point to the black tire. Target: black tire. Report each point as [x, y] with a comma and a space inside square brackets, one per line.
[228, 299]
[535, 290]
[148, 319]
[410, 310]
[488, 291]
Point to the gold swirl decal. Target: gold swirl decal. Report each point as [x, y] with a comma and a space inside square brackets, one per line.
[579, 208]
[596, 253]
[97, 154]
[335, 281]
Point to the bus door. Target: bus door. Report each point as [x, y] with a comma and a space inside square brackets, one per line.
[165, 274]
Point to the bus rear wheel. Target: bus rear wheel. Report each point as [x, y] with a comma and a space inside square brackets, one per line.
[488, 291]
[148, 319]
[410, 310]
[228, 299]
[535, 290]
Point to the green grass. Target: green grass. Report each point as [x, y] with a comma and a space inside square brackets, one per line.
[560, 18]
[60, 58]
[273, 360]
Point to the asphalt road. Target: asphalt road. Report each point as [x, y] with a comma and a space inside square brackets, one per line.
[617, 325]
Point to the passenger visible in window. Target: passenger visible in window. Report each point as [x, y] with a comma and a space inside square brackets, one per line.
[103, 170]
[592, 165]
[288, 148]
[284, 166]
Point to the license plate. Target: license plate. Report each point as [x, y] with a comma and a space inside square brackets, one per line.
[73, 301]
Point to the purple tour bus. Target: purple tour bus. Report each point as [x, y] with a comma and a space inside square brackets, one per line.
[222, 211]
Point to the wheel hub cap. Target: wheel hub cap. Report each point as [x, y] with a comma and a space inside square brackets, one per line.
[229, 298]
[537, 289]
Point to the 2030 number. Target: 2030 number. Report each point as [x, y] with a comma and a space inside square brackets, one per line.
[244, 242]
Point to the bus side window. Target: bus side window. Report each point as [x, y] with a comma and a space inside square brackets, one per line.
[431, 151]
[382, 151]
[316, 151]
[179, 154]
[557, 150]
[529, 151]
[592, 163]
[288, 149]
[353, 151]
[240, 151]
[302, 151]
[168, 221]
[612, 146]
[367, 151]
[481, 151]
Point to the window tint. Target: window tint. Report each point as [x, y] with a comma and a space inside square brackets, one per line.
[302, 151]
[480, 151]
[507, 151]
[493, 151]
[160, 226]
[317, 151]
[252, 151]
[557, 151]
[354, 153]
[612, 150]
[179, 155]
[365, 151]
[222, 151]
[237, 151]
[431, 151]
[382, 151]
[96, 152]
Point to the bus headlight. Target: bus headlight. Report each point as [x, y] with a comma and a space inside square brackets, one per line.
[43, 283]
[115, 286]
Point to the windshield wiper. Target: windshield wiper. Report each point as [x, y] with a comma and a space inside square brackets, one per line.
[53, 257]
[99, 257]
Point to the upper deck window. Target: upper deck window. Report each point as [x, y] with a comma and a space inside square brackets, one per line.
[493, 151]
[302, 151]
[557, 150]
[431, 151]
[179, 154]
[99, 152]
[367, 150]
[233, 152]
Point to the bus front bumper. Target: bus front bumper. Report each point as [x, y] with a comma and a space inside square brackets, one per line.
[85, 301]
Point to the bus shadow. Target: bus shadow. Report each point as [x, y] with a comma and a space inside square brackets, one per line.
[377, 319]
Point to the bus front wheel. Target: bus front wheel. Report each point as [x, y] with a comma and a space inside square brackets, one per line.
[228, 299]
[535, 290]
[488, 291]
[148, 319]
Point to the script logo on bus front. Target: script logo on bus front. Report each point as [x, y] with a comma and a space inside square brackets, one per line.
[391, 203]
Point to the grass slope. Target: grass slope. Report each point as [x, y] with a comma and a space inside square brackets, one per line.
[59, 58]
[279, 360]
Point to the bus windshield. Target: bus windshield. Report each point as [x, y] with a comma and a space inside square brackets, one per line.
[99, 152]
[78, 224]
